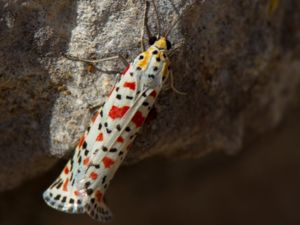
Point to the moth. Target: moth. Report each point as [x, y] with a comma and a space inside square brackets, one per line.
[81, 186]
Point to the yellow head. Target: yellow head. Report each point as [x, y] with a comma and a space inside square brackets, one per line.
[161, 43]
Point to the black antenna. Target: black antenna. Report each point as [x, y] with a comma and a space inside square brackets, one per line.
[145, 26]
[177, 20]
[157, 17]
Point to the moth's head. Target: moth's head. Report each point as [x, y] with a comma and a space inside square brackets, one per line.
[161, 43]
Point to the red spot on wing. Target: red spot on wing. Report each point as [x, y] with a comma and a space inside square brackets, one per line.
[81, 141]
[65, 186]
[120, 139]
[66, 170]
[125, 70]
[99, 137]
[153, 94]
[77, 193]
[93, 175]
[95, 117]
[117, 112]
[86, 161]
[130, 85]
[107, 161]
[138, 119]
[98, 195]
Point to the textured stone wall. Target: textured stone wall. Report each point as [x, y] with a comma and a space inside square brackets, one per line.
[239, 65]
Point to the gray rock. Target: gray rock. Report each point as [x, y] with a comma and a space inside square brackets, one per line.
[239, 65]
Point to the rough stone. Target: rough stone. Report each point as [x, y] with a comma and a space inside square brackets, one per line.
[239, 66]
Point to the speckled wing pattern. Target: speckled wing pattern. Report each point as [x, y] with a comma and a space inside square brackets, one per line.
[84, 180]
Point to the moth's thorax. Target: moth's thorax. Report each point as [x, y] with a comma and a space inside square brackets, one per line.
[152, 66]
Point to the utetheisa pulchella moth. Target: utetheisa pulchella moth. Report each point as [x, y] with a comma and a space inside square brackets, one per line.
[81, 186]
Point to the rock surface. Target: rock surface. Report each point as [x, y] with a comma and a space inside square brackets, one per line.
[258, 186]
[240, 67]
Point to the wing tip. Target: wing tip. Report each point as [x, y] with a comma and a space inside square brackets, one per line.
[62, 202]
[99, 211]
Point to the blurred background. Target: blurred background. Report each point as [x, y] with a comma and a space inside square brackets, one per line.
[259, 185]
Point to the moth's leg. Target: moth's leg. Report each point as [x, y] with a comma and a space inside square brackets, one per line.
[93, 61]
[171, 53]
[173, 86]
[123, 60]
[95, 104]
[91, 68]
[175, 48]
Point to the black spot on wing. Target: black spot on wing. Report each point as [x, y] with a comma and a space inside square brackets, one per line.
[87, 184]
[89, 191]
[79, 160]
[64, 199]
[84, 144]
[151, 76]
[103, 179]
[131, 137]
[59, 184]
[55, 183]
[118, 127]
[108, 131]
[113, 150]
